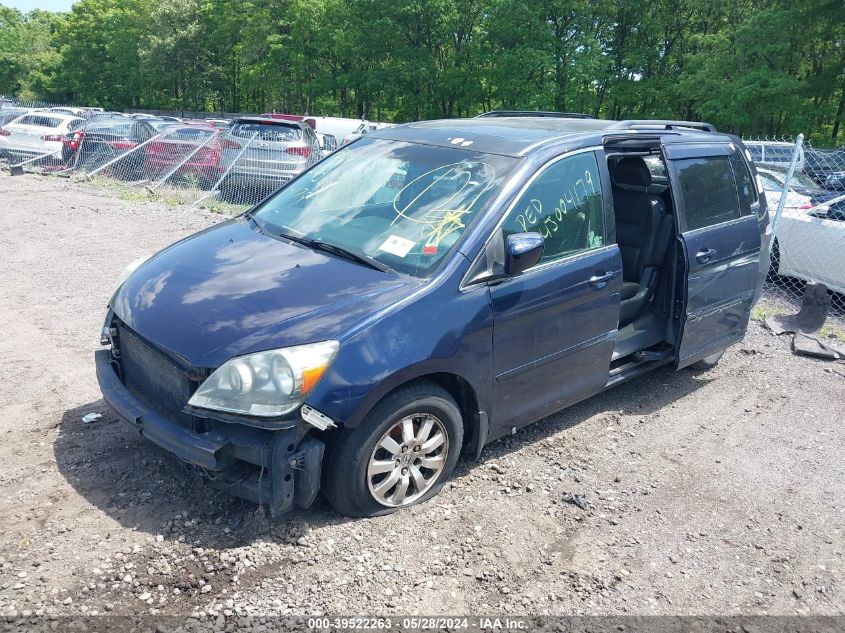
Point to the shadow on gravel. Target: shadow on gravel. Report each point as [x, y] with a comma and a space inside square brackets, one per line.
[642, 396]
[145, 488]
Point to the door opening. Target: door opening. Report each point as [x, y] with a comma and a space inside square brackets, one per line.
[645, 233]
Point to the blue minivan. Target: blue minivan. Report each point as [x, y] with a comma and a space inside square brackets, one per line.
[428, 289]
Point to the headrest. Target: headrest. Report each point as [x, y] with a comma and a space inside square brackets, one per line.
[631, 171]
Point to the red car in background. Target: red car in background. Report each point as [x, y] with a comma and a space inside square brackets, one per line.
[177, 143]
[105, 139]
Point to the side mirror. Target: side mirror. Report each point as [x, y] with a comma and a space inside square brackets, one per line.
[522, 251]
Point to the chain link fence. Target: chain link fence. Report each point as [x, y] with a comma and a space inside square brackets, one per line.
[805, 193]
[229, 165]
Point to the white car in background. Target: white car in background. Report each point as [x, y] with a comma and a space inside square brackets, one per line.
[37, 133]
[774, 153]
[810, 233]
[339, 127]
[328, 144]
[802, 189]
[367, 127]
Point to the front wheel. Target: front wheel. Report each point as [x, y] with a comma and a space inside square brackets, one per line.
[400, 455]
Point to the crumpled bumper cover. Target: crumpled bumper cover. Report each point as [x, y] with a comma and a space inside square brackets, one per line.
[274, 468]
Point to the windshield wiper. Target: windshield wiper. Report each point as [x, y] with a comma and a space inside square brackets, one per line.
[359, 258]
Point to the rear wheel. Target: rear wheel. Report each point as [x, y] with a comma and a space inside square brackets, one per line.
[400, 455]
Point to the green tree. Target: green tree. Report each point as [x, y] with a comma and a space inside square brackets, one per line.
[750, 66]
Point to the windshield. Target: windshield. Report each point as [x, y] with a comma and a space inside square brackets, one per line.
[159, 125]
[116, 127]
[403, 204]
[190, 133]
[799, 180]
[804, 181]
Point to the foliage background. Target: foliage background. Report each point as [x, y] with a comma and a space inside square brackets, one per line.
[755, 67]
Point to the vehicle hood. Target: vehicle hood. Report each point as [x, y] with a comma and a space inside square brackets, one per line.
[231, 290]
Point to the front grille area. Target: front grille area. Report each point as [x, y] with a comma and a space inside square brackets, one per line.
[154, 379]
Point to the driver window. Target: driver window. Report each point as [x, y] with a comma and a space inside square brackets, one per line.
[564, 204]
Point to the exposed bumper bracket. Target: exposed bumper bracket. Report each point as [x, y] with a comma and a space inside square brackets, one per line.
[275, 468]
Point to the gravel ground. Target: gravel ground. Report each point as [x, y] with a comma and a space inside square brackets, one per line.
[706, 493]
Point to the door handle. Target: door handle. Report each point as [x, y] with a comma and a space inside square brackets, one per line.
[705, 255]
[599, 280]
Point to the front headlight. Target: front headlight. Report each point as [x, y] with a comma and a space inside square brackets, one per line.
[266, 384]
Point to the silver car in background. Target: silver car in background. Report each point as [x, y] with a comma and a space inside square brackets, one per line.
[260, 155]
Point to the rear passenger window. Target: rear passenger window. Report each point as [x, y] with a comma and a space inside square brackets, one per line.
[744, 184]
[708, 190]
[563, 204]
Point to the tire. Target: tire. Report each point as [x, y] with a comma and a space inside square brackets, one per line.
[355, 492]
[708, 362]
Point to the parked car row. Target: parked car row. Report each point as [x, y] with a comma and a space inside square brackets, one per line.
[266, 161]
[246, 158]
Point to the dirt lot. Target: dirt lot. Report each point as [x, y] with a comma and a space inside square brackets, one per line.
[709, 493]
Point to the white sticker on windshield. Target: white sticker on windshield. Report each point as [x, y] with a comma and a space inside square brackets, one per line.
[396, 245]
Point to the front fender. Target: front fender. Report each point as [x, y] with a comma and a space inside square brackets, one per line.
[428, 368]
[445, 331]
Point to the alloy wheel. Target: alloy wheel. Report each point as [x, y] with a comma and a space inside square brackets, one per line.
[407, 460]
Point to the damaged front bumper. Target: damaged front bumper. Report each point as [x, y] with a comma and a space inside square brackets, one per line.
[277, 469]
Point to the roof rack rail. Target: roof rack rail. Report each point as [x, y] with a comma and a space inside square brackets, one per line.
[665, 124]
[534, 113]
